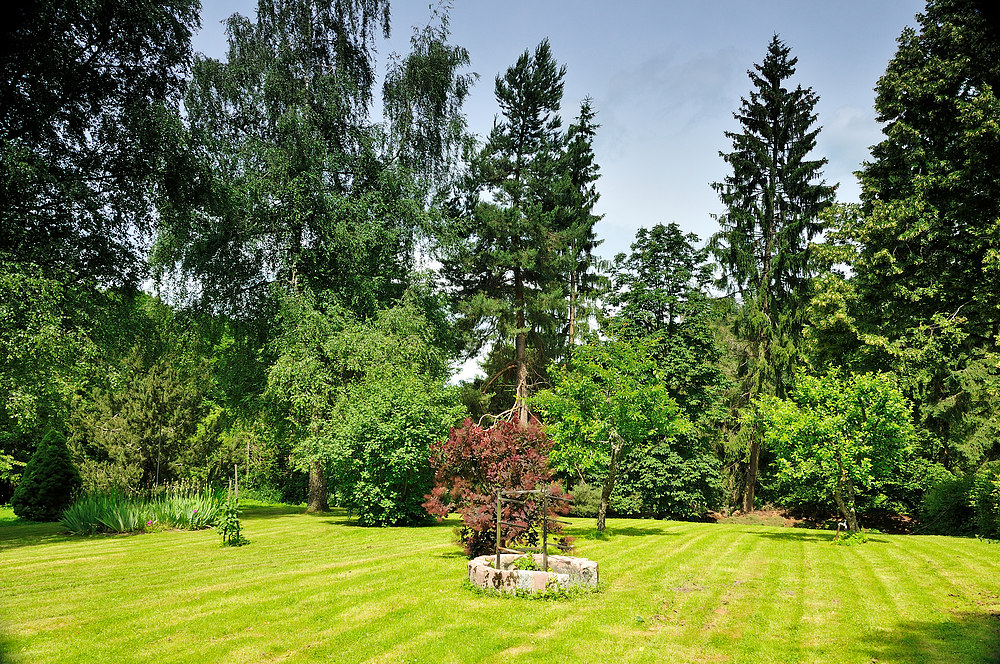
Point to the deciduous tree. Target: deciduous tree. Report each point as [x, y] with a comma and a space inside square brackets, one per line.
[837, 438]
[606, 408]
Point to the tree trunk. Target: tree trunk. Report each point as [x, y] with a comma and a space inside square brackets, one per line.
[752, 471]
[846, 507]
[318, 494]
[609, 484]
[521, 354]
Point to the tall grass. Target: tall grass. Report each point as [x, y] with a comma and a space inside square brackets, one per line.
[183, 508]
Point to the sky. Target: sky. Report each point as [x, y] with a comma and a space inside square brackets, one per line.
[665, 78]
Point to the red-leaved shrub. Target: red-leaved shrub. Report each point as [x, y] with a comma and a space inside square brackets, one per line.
[473, 464]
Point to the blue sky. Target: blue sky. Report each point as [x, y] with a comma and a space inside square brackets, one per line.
[665, 78]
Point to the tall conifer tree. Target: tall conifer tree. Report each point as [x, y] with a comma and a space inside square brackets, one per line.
[505, 259]
[773, 198]
[928, 266]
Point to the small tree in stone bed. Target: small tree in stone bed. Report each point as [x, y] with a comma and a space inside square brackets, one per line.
[474, 464]
[49, 483]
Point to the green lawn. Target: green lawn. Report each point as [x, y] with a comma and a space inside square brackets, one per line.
[312, 588]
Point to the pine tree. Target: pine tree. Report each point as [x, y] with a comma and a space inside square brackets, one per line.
[773, 198]
[49, 483]
[504, 258]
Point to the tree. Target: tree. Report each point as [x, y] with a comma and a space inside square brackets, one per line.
[658, 292]
[838, 437]
[473, 465]
[396, 407]
[332, 374]
[50, 481]
[927, 267]
[773, 199]
[295, 185]
[608, 406]
[89, 131]
[132, 433]
[659, 282]
[503, 256]
[577, 197]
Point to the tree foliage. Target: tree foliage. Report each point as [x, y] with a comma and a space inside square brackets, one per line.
[838, 439]
[607, 409]
[361, 401]
[927, 238]
[473, 465]
[89, 141]
[295, 184]
[520, 256]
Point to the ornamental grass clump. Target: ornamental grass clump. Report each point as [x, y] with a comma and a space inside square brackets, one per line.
[84, 516]
[187, 509]
[122, 514]
[119, 513]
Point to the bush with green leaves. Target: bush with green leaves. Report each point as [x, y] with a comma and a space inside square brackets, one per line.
[984, 499]
[839, 438]
[945, 508]
[49, 483]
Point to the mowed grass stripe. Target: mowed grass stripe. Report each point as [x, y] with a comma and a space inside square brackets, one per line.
[317, 588]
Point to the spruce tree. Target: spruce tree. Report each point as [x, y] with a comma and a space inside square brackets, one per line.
[577, 198]
[773, 198]
[49, 483]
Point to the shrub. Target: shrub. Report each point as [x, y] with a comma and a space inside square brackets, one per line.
[473, 465]
[984, 499]
[49, 483]
[945, 508]
[388, 426]
[586, 500]
[229, 522]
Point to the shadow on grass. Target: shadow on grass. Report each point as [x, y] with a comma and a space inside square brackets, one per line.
[800, 535]
[7, 655]
[796, 535]
[968, 638]
[269, 512]
[592, 534]
[32, 534]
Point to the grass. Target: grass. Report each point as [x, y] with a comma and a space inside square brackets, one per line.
[318, 588]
